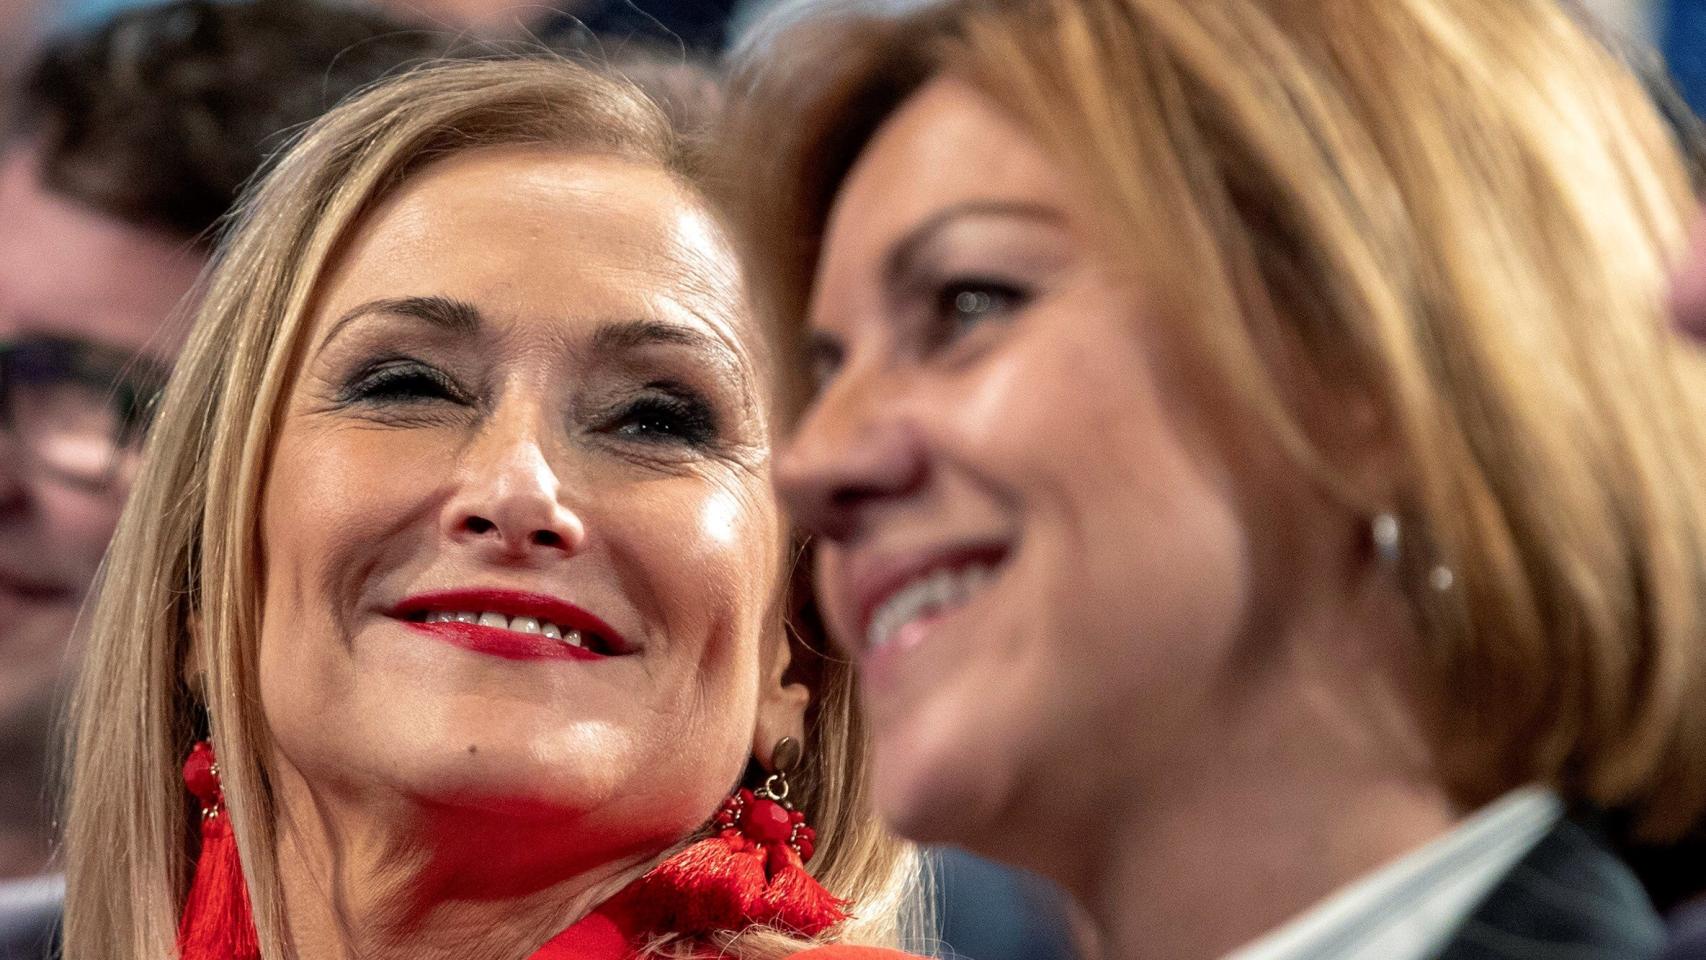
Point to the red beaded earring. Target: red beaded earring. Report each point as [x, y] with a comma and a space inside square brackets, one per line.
[750, 871]
[217, 922]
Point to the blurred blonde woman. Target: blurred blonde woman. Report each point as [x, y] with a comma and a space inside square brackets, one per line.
[453, 582]
[1247, 456]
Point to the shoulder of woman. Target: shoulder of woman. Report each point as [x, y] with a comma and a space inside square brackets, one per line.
[852, 953]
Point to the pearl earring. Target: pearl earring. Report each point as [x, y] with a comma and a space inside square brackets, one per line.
[1387, 535]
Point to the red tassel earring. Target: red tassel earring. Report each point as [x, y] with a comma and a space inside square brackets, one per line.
[218, 923]
[751, 870]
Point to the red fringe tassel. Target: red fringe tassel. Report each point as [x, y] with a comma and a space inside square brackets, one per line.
[727, 882]
[218, 922]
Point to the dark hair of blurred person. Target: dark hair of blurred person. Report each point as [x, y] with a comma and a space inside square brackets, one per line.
[692, 25]
[1248, 455]
[599, 27]
[125, 147]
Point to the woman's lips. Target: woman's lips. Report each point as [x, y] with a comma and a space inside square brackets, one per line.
[500, 642]
[511, 624]
[891, 593]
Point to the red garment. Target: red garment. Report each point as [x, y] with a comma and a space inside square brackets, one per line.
[599, 937]
[595, 937]
[854, 953]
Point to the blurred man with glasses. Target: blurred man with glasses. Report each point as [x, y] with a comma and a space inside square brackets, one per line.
[121, 151]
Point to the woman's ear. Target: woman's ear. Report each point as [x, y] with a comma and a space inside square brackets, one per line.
[785, 691]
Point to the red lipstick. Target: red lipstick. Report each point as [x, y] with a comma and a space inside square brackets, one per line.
[601, 641]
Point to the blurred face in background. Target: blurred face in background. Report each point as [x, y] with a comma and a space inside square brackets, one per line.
[84, 300]
[1024, 535]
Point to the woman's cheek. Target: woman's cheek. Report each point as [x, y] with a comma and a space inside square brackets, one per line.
[711, 549]
[708, 551]
[339, 496]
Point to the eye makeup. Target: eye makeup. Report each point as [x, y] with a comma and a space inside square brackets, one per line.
[401, 380]
[655, 390]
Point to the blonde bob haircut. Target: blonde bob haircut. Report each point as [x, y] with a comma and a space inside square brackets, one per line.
[181, 583]
[1461, 212]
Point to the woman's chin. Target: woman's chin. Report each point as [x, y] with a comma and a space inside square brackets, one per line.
[509, 794]
[508, 781]
[934, 787]
[504, 769]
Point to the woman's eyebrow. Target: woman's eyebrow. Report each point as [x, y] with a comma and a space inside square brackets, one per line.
[446, 313]
[904, 254]
[630, 335]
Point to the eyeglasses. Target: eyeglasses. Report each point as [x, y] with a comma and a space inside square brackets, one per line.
[77, 410]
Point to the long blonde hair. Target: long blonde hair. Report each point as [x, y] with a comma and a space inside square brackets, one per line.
[1464, 211]
[181, 582]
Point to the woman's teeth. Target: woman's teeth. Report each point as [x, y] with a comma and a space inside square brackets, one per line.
[517, 624]
[928, 596]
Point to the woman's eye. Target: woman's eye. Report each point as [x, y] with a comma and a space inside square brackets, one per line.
[402, 381]
[667, 417]
[963, 305]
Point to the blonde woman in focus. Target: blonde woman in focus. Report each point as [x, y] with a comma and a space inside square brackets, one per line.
[454, 547]
[1247, 456]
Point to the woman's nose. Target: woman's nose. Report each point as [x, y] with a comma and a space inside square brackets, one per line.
[853, 451]
[510, 500]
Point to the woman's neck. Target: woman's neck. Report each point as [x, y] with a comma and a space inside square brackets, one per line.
[1202, 878]
[1261, 817]
[430, 885]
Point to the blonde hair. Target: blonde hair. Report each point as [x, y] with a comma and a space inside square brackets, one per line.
[187, 550]
[1464, 211]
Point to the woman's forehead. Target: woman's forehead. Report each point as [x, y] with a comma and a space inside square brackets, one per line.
[950, 143]
[546, 232]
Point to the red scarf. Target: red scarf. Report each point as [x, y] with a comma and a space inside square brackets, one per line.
[597, 936]
[748, 872]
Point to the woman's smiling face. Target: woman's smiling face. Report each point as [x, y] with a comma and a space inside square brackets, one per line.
[530, 398]
[1023, 534]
